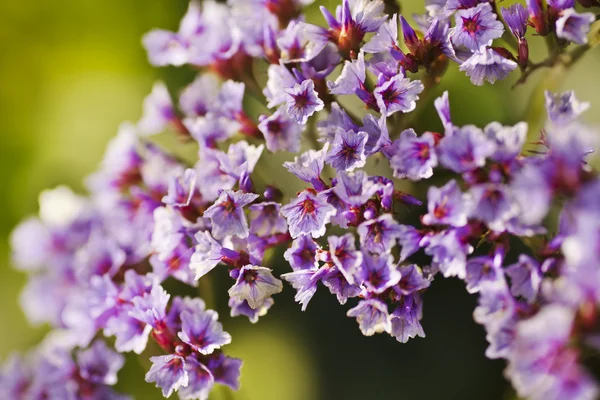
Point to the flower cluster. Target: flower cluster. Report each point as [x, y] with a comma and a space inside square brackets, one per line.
[98, 263]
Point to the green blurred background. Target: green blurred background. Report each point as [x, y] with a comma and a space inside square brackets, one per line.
[72, 70]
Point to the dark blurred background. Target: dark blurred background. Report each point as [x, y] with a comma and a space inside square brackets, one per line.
[71, 71]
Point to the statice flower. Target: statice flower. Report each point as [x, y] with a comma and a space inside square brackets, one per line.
[574, 26]
[303, 101]
[465, 149]
[413, 157]
[255, 285]
[398, 94]
[476, 27]
[281, 133]
[307, 214]
[564, 107]
[487, 64]
[347, 150]
[517, 222]
[227, 214]
[447, 205]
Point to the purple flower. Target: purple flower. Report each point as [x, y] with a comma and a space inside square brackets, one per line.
[564, 107]
[168, 372]
[199, 96]
[495, 305]
[449, 253]
[379, 235]
[442, 106]
[207, 254]
[170, 48]
[266, 220]
[211, 129]
[307, 214]
[302, 254]
[355, 188]
[99, 364]
[378, 272]
[308, 166]
[338, 285]
[354, 20]
[385, 39]
[532, 192]
[447, 205]
[574, 26]
[525, 278]
[377, 131]
[410, 240]
[241, 307]
[337, 118]
[405, 320]
[31, 244]
[476, 27]
[227, 214]
[210, 179]
[542, 361]
[352, 78]
[344, 255]
[372, 316]
[516, 17]
[225, 370]
[255, 285]
[181, 189]
[411, 280]
[508, 140]
[487, 64]
[151, 308]
[347, 151]
[200, 380]
[201, 330]
[398, 94]
[240, 159]
[492, 204]
[305, 282]
[413, 157]
[281, 133]
[465, 149]
[158, 111]
[303, 101]
[482, 271]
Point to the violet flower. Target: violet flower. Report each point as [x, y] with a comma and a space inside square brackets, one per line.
[574, 26]
[347, 150]
[398, 94]
[255, 285]
[227, 214]
[303, 101]
[476, 27]
[487, 64]
[372, 316]
[281, 133]
[307, 214]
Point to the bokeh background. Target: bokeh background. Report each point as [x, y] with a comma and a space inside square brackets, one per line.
[72, 70]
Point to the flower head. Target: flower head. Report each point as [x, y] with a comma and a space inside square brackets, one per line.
[347, 150]
[227, 214]
[303, 101]
[476, 27]
[487, 64]
[372, 316]
[574, 26]
[255, 285]
[398, 94]
[281, 133]
[307, 214]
